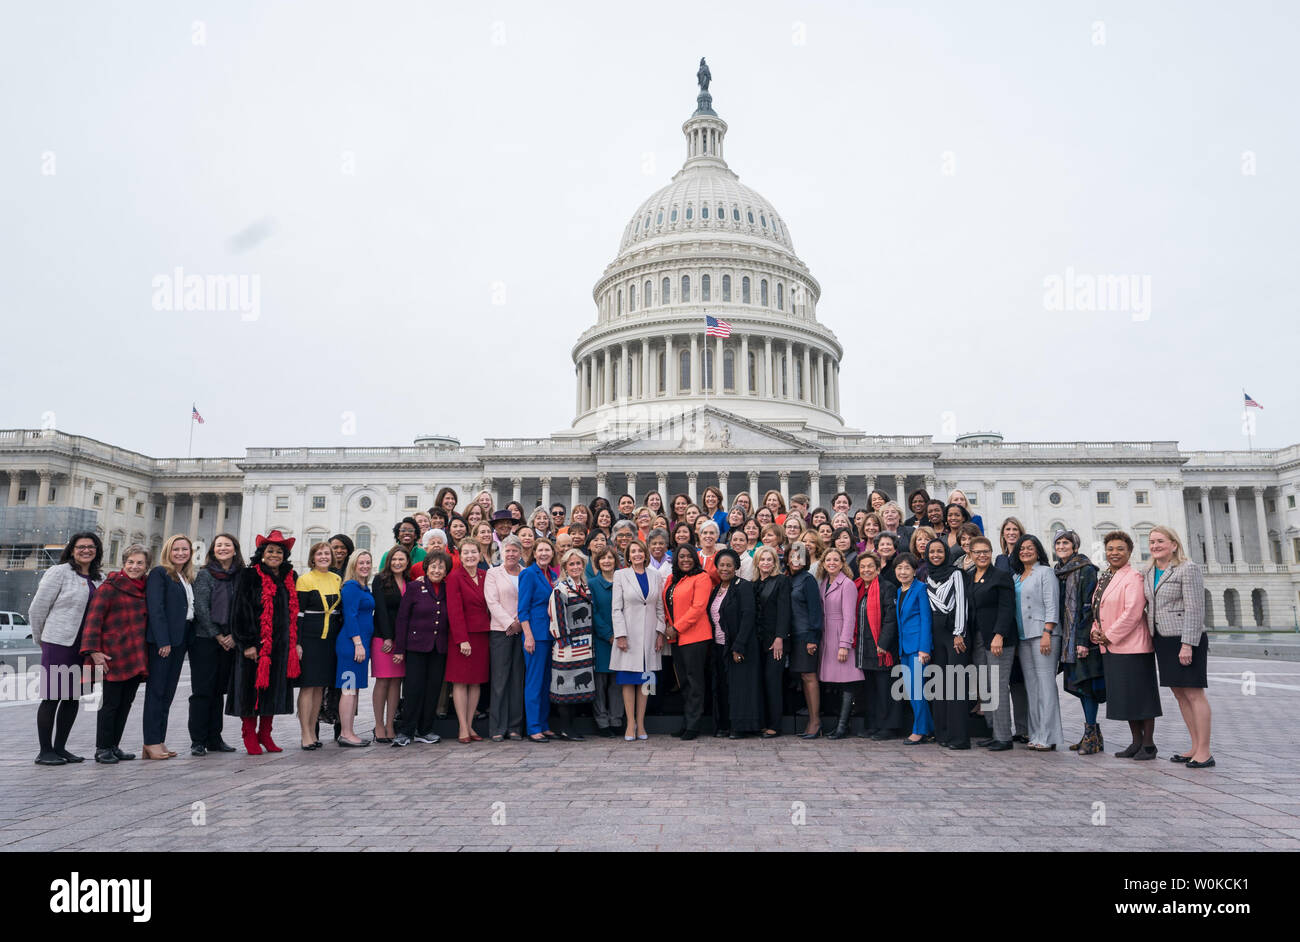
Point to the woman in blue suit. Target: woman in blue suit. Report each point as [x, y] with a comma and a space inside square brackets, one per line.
[169, 592]
[914, 641]
[536, 583]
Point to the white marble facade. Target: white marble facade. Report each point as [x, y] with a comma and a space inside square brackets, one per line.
[660, 406]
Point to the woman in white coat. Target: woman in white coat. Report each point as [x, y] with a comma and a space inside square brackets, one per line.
[638, 611]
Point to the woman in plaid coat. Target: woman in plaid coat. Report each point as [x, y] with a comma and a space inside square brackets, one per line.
[114, 641]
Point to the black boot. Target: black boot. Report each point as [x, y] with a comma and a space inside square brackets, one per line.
[846, 710]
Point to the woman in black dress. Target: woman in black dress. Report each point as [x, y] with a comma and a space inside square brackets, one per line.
[772, 624]
[736, 658]
[949, 616]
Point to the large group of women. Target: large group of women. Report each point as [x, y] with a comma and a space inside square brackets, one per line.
[746, 613]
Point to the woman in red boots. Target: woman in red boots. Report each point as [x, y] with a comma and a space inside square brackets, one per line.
[265, 626]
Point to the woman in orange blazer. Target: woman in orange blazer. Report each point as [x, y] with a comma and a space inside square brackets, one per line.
[686, 613]
[1127, 652]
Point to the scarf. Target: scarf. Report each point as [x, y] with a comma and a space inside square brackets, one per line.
[266, 621]
[1103, 580]
[871, 613]
[222, 592]
[1070, 574]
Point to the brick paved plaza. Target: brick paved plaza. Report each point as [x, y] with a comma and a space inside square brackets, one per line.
[667, 795]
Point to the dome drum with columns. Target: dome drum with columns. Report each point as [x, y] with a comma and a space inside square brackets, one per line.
[706, 243]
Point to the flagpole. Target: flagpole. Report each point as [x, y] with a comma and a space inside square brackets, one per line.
[705, 358]
[1250, 428]
[189, 451]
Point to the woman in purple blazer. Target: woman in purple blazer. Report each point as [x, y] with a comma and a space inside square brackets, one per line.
[839, 626]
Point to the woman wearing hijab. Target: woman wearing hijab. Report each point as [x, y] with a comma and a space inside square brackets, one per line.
[877, 650]
[1081, 660]
[949, 610]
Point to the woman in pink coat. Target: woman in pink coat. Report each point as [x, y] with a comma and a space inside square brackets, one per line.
[1120, 627]
[839, 625]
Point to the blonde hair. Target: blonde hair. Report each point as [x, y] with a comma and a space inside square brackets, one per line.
[764, 550]
[570, 554]
[186, 572]
[1178, 557]
[886, 507]
[351, 571]
[779, 530]
[924, 531]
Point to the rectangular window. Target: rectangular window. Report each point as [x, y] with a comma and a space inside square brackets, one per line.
[1103, 497]
[200, 513]
[22, 495]
[1295, 549]
[1008, 498]
[318, 503]
[157, 513]
[1270, 506]
[1290, 501]
[972, 499]
[119, 504]
[282, 503]
[1141, 497]
[98, 501]
[139, 508]
[53, 494]
[412, 502]
[113, 549]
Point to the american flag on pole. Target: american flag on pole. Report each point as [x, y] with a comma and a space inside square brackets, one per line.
[1250, 403]
[713, 327]
[194, 414]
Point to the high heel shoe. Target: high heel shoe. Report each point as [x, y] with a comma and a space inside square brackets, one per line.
[816, 734]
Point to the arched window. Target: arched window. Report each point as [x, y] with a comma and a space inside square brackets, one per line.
[798, 377]
[613, 376]
[704, 212]
[750, 214]
[662, 373]
[744, 290]
[666, 292]
[620, 300]
[363, 537]
[762, 292]
[780, 296]
[729, 370]
[659, 219]
[722, 213]
[735, 213]
[785, 378]
[631, 298]
[686, 289]
[647, 294]
[689, 212]
[726, 287]
[672, 217]
[647, 221]
[684, 370]
[753, 373]
[763, 220]
[704, 287]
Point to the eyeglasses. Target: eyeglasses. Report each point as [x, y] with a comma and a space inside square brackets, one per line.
[981, 552]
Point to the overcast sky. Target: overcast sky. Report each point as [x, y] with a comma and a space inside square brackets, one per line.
[380, 166]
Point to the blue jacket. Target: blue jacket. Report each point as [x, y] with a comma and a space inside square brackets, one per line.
[534, 596]
[913, 607]
[358, 618]
[602, 617]
[805, 609]
[167, 607]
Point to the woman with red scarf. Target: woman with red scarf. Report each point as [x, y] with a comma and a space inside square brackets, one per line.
[877, 649]
[265, 626]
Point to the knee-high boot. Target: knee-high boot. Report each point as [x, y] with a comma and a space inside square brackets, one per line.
[264, 735]
[846, 710]
[249, 729]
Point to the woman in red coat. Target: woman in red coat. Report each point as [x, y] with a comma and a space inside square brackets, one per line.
[117, 621]
[470, 623]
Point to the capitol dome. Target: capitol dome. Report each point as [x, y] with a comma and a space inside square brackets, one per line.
[706, 246]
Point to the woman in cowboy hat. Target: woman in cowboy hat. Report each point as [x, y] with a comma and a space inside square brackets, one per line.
[265, 626]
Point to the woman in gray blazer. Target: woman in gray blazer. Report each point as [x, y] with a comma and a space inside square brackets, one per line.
[57, 615]
[638, 616]
[1175, 596]
[1037, 605]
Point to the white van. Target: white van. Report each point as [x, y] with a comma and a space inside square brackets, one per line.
[14, 627]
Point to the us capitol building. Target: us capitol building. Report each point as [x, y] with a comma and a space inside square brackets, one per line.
[661, 406]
